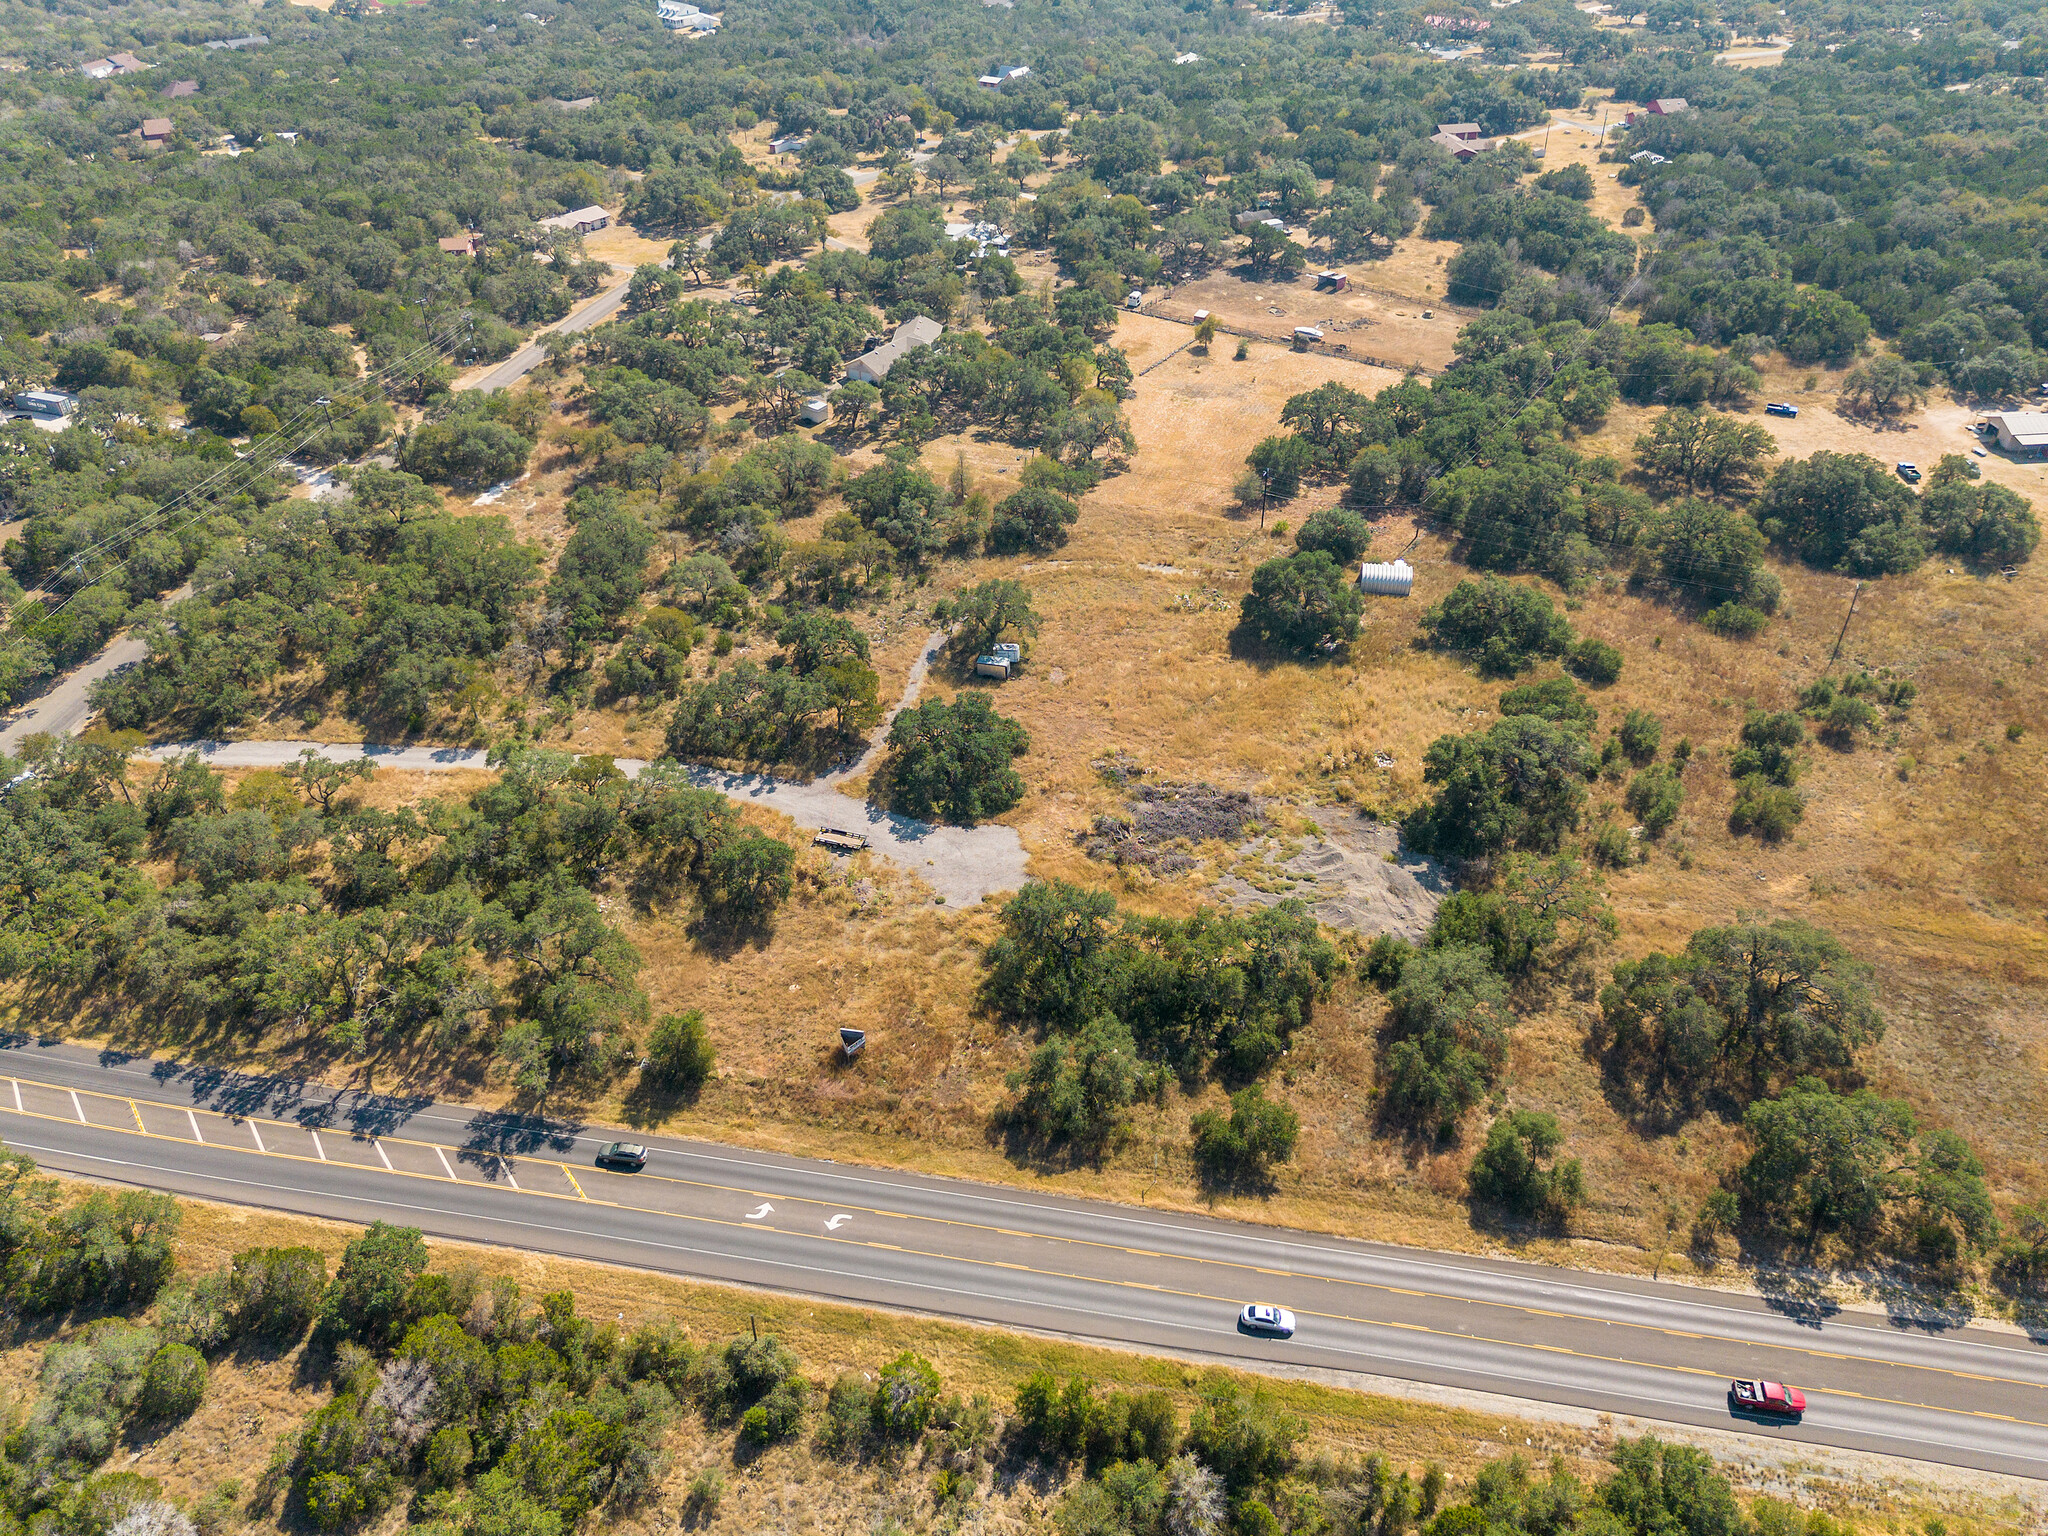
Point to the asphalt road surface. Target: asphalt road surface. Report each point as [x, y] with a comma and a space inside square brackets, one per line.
[1121, 1275]
[62, 708]
[528, 357]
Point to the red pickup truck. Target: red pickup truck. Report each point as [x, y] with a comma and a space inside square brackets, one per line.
[1766, 1397]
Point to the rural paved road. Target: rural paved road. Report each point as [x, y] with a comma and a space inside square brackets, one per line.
[1161, 1282]
[61, 708]
[528, 357]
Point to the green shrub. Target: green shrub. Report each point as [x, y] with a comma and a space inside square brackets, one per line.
[84, 1389]
[199, 1314]
[707, 1491]
[1504, 625]
[1613, 848]
[1654, 796]
[1769, 742]
[1735, 621]
[1596, 661]
[367, 1300]
[174, 1384]
[277, 1291]
[1343, 534]
[1557, 699]
[679, 1052]
[1303, 603]
[1240, 1149]
[1640, 734]
[847, 1413]
[333, 1502]
[1384, 958]
[1509, 1172]
[779, 1415]
[1767, 809]
[449, 1454]
[1071, 1096]
[905, 1396]
[1844, 717]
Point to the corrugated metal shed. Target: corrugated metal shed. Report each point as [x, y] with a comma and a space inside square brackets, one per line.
[1395, 580]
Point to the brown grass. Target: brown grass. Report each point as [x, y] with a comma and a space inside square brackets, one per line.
[1929, 870]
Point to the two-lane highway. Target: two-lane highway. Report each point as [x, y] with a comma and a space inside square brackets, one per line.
[1171, 1283]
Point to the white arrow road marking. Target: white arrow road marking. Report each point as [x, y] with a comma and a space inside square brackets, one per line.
[837, 1222]
[757, 1215]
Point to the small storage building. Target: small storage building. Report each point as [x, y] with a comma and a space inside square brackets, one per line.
[1391, 580]
[1000, 661]
[45, 402]
[816, 412]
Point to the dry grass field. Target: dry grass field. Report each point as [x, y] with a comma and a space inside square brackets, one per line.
[255, 1399]
[1920, 847]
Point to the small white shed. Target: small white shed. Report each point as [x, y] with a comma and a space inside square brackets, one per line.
[1395, 580]
[816, 412]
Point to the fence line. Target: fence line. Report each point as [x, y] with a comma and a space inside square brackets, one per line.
[1341, 350]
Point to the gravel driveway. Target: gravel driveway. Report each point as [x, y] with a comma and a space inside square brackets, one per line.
[961, 864]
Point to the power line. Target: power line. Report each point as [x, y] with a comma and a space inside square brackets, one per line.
[262, 458]
[264, 445]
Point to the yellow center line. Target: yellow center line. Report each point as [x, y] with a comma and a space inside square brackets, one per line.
[1524, 1309]
[1133, 1285]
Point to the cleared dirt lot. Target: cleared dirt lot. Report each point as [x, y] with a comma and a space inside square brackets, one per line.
[1382, 325]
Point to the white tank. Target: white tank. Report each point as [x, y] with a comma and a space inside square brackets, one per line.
[1394, 580]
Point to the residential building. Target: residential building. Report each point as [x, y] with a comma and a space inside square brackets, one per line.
[1471, 131]
[581, 220]
[1187, 58]
[788, 144]
[1007, 74]
[467, 244]
[253, 40]
[984, 235]
[179, 89]
[1463, 149]
[155, 130]
[112, 64]
[1663, 106]
[682, 16]
[873, 366]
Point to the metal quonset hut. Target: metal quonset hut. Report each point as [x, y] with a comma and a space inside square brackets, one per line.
[1395, 580]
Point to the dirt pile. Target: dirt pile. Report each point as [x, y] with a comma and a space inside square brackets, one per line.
[1166, 822]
